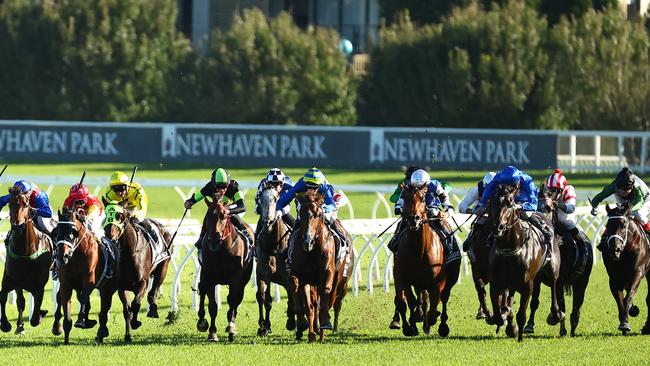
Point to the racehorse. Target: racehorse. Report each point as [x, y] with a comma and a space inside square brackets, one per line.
[569, 280]
[136, 267]
[626, 258]
[479, 254]
[271, 244]
[29, 256]
[420, 263]
[226, 260]
[319, 279]
[82, 267]
[516, 259]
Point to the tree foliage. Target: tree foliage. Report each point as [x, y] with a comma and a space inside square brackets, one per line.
[270, 71]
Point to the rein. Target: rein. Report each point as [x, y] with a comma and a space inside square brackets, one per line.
[627, 229]
[75, 244]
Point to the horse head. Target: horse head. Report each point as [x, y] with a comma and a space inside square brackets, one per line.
[67, 237]
[617, 229]
[268, 199]
[311, 218]
[503, 211]
[217, 221]
[115, 221]
[547, 203]
[18, 207]
[414, 207]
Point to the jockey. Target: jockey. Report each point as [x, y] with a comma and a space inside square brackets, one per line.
[314, 179]
[559, 187]
[436, 196]
[39, 204]
[627, 187]
[221, 184]
[276, 178]
[407, 180]
[526, 195]
[473, 198]
[131, 196]
[87, 206]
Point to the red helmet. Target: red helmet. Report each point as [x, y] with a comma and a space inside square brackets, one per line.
[79, 192]
[556, 180]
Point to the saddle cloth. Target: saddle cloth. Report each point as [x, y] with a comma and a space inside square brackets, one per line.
[158, 246]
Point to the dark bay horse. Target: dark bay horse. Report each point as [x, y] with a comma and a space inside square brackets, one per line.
[29, 256]
[627, 261]
[516, 259]
[136, 267]
[479, 254]
[82, 267]
[319, 279]
[568, 281]
[271, 243]
[226, 260]
[420, 263]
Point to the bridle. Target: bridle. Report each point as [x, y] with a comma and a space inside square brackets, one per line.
[75, 243]
[616, 236]
[27, 207]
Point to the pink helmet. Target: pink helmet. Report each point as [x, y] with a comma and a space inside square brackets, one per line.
[556, 180]
[79, 192]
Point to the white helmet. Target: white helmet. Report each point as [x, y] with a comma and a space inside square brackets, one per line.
[488, 178]
[420, 178]
[275, 175]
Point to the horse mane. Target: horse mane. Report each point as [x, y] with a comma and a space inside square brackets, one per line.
[14, 191]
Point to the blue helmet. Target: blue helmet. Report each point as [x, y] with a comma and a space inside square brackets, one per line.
[23, 186]
[510, 175]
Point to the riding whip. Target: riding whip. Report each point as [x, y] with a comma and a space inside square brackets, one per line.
[82, 178]
[389, 226]
[3, 170]
[135, 169]
[458, 226]
[179, 226]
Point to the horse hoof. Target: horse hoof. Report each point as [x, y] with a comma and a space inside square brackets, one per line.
[261, 332]
[303, 325]
[135, 324]
[202, 325]
[529, 329]
[80, 324]
[90, 323]
[552, 319]
[212, 337]
[127, 338]
[152, 314]
[291, 324]
[645, 330]
[231, 337]
[5, 326]
[562, 332]
[625, 327]
[231, 328]
[433, 317]
[634, 311]
[510, 331]
[102, 333]
[443, 330]
[395, 325]
[57, 330]
[99, 340]
[35, 321]
[418, 315]
[480, 315]
[426, 329]
[311, 337]
[43, 313]
[326, 326]
[20, 329]
[298, 336]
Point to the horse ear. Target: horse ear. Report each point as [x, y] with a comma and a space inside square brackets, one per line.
[609, 210]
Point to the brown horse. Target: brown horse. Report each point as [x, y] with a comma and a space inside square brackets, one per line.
[82, 267]
[226, 260]
[29, 256]
[627, 261]
[516, 259]
[420, 263]
[136, 267]
[318, 279]
[568, 279]
[479, 255]
[271, 243]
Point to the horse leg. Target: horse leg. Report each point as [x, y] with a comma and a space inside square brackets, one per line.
[443, 328]
[137, 302]
[325, 296]
[579, 288]
[299, 306]
[534, 305]
[235, 297]
[213, 309]
[259, 297]
[106, 302]
[126, 312]
[426, 321]
[495, 297]
[65, 294]
[268, 305]
[311, 312]
[5, 326]
[38, 314]
[202, 324]
[562, 306]
[646, 326]
[555, 316]
[338, 302]
[624, 326]
[158, 278]
[630, 308]
[521, 313]
[57, 329]
[479, 285]
[291, 311]
[20, 304]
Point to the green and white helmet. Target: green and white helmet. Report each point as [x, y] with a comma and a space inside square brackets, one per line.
[220, 177]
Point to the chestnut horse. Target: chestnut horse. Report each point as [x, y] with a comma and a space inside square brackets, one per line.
[226, 260]
[420, 263]
[135, 267]
[319, 279]
[568, 280]
[626, 258]
[29, 256]
[516, 259]
[271, 243]
[82, 267]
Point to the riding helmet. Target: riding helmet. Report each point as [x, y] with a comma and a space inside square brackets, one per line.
[313, 178]
[119, 179]
[625, 179]
[556, 180]
[220, 177]
[275, 175]
[420, 178]
[23, 186]
[488, 178]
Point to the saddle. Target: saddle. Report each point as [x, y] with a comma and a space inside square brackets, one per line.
[111, 254]
[249, 246]
[159, 250]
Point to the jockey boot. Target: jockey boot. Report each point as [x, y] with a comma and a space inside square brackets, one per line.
[289, 220]
[241, 227]
[583, 254]
[539, 223]
[146, 224]
[392, 244]
[449, 244]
